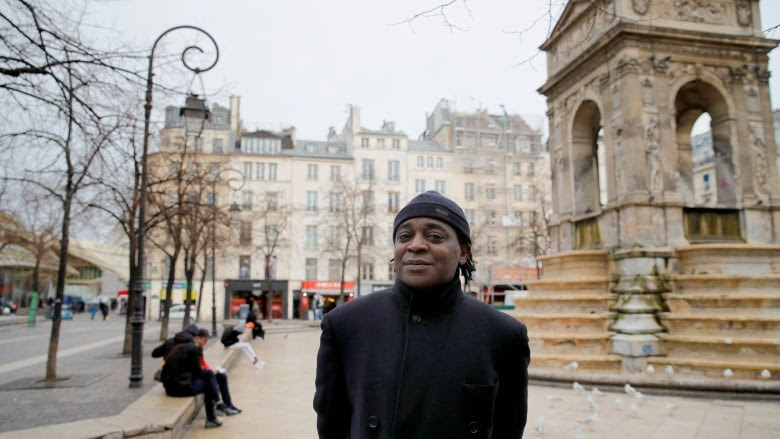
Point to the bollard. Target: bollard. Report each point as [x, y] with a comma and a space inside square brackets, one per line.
[33, 309]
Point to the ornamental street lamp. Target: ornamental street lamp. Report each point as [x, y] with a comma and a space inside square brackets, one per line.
[136, 299]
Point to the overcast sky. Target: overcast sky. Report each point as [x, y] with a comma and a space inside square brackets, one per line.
[302, 62]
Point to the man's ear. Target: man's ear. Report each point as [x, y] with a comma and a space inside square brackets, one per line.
[465, 251]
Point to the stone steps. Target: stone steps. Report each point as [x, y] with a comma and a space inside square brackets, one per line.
[744, 322]
[600, 362]
[563, 322]
[743, 368]
[709, 302]
[566, 303]
[597, 343]
[764, 348]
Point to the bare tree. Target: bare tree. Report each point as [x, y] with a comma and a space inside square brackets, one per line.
[62, 105]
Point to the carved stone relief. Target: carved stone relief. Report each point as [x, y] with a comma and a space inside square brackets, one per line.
[752, 102]
[759, 164]
[648, 93]
[652, 140]
[615, 97]
[620, 168]
[640, 6]
[700, 11]
[744, 14]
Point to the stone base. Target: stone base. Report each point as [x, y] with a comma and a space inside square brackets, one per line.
[635, 349]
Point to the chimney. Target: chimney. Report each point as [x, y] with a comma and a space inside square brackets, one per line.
[354, 119]
[235, 117]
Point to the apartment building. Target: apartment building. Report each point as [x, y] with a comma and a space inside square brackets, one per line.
[296, 201]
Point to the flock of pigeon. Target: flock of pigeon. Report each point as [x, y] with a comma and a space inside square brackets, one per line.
[633, 399]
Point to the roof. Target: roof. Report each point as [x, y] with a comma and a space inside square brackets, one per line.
[318, 149]
[110, 259]
[425, 145]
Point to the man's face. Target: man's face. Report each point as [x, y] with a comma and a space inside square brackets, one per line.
[427, 252]
[200, 341]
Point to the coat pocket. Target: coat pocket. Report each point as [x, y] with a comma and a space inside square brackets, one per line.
[479, 403]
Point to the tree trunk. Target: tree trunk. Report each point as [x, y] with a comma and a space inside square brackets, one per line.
[168, 295]
[127, 346]
[51, 362]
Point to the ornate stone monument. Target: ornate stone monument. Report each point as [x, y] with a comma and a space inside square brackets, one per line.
[678, 278]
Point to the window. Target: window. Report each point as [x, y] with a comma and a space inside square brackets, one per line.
[468, 191]
[216, 146]
[245, 233]
[334, 269]
[244, 265]
[209, 267]
[271, 234]
[367, 271]
[310, 241]
[470, 215]
[490, 193]
[334, 237]
[519, 218]
[394, 170]
[468, 166]
[246, 200]
[490, 216]
[396, 143]
[530, 168]
[531, 193]
[368, 169]
[334, 202]
[311, 172]
[706, 178]
[260, 174]
[393, 202]
[211, 199]
[311, 201]
[420, 162]
[439, 162]
[440, 186]
[368, 201]
[419, 185]
[272, 171]
[248, 170]
[516, 168]
[335, 173]
[367, 235]
[429, 162]
[380, 143]
[364, 142]
[491, 167]
[272, 201]
[311, 268]
[492, 246]
[517, 190]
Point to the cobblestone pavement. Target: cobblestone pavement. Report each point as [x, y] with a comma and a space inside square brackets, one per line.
[277, 403]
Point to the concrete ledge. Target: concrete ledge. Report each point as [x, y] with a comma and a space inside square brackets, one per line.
[154, 415]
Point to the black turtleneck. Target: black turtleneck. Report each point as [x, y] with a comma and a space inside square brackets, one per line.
[428, 301]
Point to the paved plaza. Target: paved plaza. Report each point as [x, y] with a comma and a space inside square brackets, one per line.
[277, 403]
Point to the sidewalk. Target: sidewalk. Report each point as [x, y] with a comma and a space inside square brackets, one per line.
[277, 403]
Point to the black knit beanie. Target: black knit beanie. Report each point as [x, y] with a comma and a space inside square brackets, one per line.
[434, 205]
[192, 329]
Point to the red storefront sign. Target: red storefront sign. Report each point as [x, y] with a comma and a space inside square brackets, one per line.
[325, 286]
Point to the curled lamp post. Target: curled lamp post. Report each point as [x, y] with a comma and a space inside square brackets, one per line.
[137, 319]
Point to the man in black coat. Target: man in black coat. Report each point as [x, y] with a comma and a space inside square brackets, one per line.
[421, 359]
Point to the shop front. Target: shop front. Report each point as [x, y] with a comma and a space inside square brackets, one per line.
[321, 296]
[271, 298]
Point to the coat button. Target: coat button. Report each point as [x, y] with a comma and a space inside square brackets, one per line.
[373, 422]
[416, 319]
[474, 427]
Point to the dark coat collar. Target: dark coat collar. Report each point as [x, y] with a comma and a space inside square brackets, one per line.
[427, 301]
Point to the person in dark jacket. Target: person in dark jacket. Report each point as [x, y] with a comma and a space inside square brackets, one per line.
[421, 359]
[182, 374]
[254, 323]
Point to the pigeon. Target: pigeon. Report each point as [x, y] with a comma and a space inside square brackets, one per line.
[553, 399]
[580, 435]
[591, 402]
[650, 368]
[669, 370]
[571, 366]
[728, 340]
[640, 396]
[728, 373]
[597, 393]
[590, 419]
[670, 407]
[577, 387]
[628, 389]
[540, 425]
[766, 374]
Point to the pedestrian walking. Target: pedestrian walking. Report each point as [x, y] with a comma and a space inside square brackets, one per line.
[230, 340]
[92, 311]
[421, 359]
